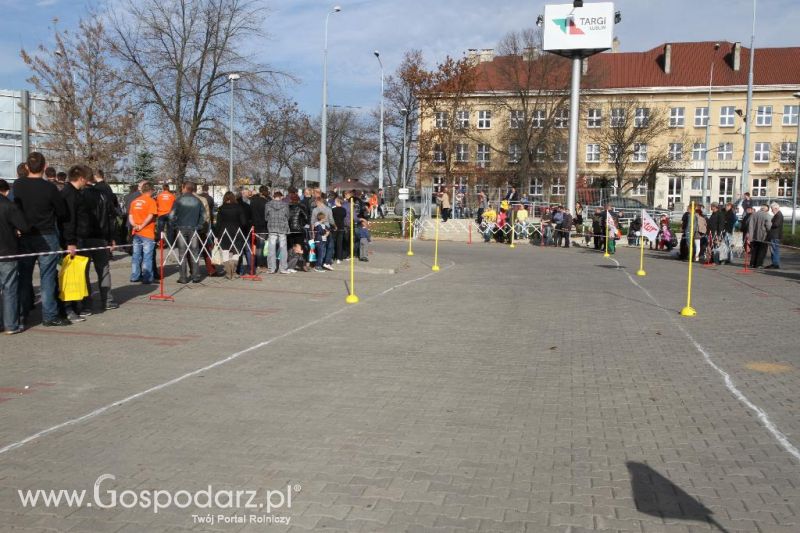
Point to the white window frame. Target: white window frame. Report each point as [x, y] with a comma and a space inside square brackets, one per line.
[640, 190]
[696, 183]
[560, 153]
[759, 188]
[764, 115]
[613, 153]
[484, 155]
[642, 117]
[536, 187]
[438, 182]
[540, 154]
[618, 118]
[514, 153]
[442, 119]
[675, 190]
[462, 119]
[726, 184]
[676, 151]
[562, 118]
[699, 151]
[727, 116]
[788, 152]
[791, 114]
[595, 118]
[462, 153]
[761, 152]
[484, 119]
[785, 187]
[677, 117]
[438, 153]
[557, 188]
[539, 118]
[592, 153]
[725, 151]
[639, 153]
[701, 117]
[516, 119]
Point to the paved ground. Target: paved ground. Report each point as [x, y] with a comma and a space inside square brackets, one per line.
[516, 390]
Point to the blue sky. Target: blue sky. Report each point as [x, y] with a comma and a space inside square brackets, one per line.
[437, 27]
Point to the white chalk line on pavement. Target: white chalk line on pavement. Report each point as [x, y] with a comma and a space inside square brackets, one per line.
[782, 439]
[228, 359]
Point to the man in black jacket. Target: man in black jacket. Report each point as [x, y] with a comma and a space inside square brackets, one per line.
[12, 223]
[102, 208]
[76, 228]
[258, 204]
[775, 235]
[43, 207]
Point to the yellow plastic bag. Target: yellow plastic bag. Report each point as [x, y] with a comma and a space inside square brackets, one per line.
[72, 279]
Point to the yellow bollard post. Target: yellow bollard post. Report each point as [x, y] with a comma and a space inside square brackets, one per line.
[352, 298]
[606, 254]
[410, 231]
[435, 266]
[689, 310]
[641, 271]
[512, 229]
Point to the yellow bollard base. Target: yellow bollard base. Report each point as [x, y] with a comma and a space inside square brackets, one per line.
[435, 268]
[351, 299]
[641, 273]
[606, 254]
[410, 253]
[688, 311]
[513, 246]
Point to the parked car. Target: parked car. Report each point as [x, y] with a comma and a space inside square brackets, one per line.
[413, 205]
[629, 208]
[784, 203]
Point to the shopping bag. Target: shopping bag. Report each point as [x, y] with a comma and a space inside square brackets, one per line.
[216, 255]
[312, 251]
[72, 279]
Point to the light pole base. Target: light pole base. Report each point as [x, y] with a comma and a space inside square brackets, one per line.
[351, 299]
[435, 268]
[688, 311]
[641, 273]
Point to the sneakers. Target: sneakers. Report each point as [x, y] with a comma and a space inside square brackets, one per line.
[327, 267]
[291, 271]
[13, 331]
[319, 269]
[110, 306]
[338, 261]
[285, 272]
[74, 317]
[86, 313]
[57, 322]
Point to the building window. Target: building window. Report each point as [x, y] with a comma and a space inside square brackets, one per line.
[442, 118]
[595, 118]
[674, 191]
[481, 186]
[514, 153]
[438, 154]
[618, 117]
[536, 187]
[785, 187]
[592, 153]
[613, 153]
[516, 120]
[726, 116]
[640, 190]
[562, 118]
[725, 190]
[484, 156]
[484, 120]
[675, 151]
[701, 117]
[560, 155]
[764, 115]
[462, 119]
[697, 184]
[677, 117]
[462, 153]
[558, 188]
[438, 183]
[540, 154]
[761, 153]
[642, 118]
[698, 151]
[538, 119]
[791, 114]
[640, 152]
[788, 152]
[725, 151]
[759, 188]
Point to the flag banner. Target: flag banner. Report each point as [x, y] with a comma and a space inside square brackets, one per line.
[649, 226]
[613, 230]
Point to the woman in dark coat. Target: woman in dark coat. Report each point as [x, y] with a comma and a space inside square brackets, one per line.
[298, 220]
[230, 230]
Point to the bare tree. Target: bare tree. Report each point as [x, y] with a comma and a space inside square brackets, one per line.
[89, 120]
[352, 146]
[627, 138]
[178, 54]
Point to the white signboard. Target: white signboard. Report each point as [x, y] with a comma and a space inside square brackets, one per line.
[402, 194]
[587, 28]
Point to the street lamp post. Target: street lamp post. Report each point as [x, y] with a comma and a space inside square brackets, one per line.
[749, 110]
[706, 186]
[380, 161]
[404, 112]
[232, 77]
[796, 165]
[323, 149]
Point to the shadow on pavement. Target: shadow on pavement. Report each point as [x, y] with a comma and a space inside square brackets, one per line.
[656, 495]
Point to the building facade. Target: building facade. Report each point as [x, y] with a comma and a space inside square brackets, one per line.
[13, 117]
[646, 126]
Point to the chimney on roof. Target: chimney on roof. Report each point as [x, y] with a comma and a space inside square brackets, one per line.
[737, 57]
[667, 58]
[487, 54]
[530, 53]
[615, 46]
[473, 56]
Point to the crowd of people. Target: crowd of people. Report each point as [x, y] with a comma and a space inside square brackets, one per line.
[48, 215]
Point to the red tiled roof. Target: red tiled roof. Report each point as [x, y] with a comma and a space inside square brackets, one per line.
[690, 64]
